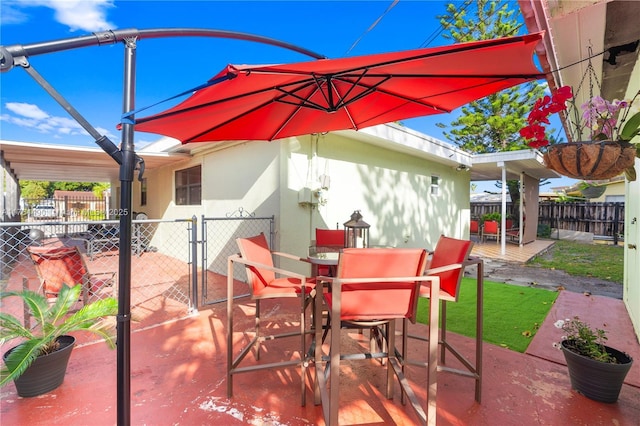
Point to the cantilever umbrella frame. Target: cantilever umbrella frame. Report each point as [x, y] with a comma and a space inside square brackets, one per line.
[18, 56]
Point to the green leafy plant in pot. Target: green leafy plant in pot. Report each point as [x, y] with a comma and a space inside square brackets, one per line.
[597, 371]
[38, 364]
[489, 217]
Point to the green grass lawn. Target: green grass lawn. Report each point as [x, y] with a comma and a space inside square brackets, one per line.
[512, 314]
[592, 260]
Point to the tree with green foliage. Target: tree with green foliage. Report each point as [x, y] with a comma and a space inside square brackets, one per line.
[100, 188]
[73, 186]
[38, 189]
[491, 124]
[34, 189]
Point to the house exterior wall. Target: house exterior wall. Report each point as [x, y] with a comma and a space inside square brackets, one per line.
[391, 189]
[631, 280]
[614, 188]
[631, 283]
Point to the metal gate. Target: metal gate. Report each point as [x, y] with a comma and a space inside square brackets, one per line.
[162, 277]
[219, 242]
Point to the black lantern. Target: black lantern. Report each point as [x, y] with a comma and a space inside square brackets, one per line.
[356, 231]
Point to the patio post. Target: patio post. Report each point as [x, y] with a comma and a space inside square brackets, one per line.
[503, 219]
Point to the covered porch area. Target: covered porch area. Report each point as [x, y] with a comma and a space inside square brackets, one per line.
[527, 167]
[512, 252]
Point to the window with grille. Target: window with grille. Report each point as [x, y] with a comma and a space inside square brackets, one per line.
[435, 185]
[143, 192]
[189, 186]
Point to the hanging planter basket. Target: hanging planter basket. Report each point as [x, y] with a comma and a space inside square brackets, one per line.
[590, 160]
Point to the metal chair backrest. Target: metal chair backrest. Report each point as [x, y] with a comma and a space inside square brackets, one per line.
[491, 227]
[450, 251]
[380, 299]
[57, 266]
[256, 249]
[330, 238]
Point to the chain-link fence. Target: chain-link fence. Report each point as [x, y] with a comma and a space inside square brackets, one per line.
[41, 256]
[219, 242]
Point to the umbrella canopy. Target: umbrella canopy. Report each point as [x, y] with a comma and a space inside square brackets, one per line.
[268, 102]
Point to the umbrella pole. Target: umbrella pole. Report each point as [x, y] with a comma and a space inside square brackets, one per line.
[124, 290]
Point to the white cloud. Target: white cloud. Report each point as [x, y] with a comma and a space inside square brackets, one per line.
[33, 117]
[11, 15]
[27, 110]
[86, 15]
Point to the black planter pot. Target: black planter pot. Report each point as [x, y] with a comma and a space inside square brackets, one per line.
[600, 381]
[47, 372]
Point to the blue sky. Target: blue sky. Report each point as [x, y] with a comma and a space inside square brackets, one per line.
[91, 78]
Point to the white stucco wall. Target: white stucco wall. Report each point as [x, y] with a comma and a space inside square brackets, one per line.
[631, 283]
[391, 189]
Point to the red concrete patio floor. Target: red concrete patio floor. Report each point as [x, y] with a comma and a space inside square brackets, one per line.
[178, 378]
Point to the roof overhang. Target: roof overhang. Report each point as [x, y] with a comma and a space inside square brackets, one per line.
[530, 162]
[37, 161]
[390, 136]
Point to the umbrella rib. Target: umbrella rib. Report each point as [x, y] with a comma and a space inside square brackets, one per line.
[256, 108]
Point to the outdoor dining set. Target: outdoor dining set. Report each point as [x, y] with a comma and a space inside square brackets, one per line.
[369, 289]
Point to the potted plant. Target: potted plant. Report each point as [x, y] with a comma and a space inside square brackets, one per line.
[492, 217]
[596, 371]
[38, 364]
[608, 153]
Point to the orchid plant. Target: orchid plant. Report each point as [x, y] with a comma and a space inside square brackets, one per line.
[605, 120]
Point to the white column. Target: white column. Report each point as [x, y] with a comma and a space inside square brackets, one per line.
[503, 219]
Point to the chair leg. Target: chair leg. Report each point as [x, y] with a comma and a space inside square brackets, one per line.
[303, 357]
[390, 346]
[229, 328]
[443, 330]
[319, 339]
[257, 330]
[432, 367]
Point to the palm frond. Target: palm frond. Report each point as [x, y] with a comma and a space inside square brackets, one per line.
[20, 358]
[12, 328]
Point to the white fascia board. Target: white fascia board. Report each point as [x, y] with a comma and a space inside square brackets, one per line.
[507, 156]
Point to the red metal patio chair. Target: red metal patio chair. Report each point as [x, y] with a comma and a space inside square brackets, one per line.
[65, 265]
[491, 228]
[474, 227]
[328, 240]
[373, 288]
[448, 262]
[266, 282]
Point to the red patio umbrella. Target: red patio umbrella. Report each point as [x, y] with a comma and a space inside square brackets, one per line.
[267, 102]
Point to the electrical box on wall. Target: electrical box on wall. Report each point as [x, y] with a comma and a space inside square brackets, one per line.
[306, 196]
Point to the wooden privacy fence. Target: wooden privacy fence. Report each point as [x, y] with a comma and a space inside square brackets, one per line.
[604, 220]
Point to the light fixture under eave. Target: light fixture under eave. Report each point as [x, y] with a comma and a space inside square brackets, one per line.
[461, 168]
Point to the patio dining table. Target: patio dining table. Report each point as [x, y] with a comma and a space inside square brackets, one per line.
[329, 259]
